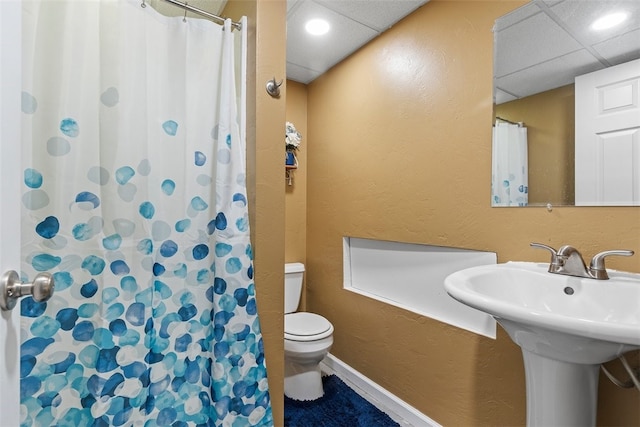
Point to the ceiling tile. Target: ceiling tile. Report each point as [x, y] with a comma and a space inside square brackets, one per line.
[320, 53]
[301, 74]
[579, 15]
[500, 97]
[549, 42]
[291, 4]
[377, 14]
[549, 75]
[517, 16]
[620, 49]
[529, 42]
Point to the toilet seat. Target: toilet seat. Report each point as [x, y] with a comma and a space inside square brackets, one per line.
[306, 327]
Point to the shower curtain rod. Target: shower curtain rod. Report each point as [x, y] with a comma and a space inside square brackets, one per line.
[211, 16]
[521, 124]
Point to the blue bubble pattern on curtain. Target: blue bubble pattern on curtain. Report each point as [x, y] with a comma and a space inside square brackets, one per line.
[135, 200]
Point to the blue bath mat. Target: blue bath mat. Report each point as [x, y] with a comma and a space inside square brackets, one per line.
[339, 407]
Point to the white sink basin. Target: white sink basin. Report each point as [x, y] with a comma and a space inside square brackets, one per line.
[525, 292]
[566, 326]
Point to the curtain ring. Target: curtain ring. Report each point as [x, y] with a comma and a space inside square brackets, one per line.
[184, 19]
[143, 4]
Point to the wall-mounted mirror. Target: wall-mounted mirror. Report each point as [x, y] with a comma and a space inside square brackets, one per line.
[539, 50]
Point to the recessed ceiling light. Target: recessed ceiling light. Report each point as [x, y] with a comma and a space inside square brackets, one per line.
[317, 27]
[609, 21]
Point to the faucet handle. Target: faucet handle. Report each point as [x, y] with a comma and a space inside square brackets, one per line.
[554, 253]
[541, 246]
[597, 267]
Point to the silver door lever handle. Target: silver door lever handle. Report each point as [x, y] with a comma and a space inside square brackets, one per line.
[11, 289]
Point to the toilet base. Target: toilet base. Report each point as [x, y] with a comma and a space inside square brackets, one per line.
[303, 382]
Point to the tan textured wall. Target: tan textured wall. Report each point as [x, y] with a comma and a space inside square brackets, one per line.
[295, 246]
[265, 122]
[399, 148]
[550, 120]
[296, 193]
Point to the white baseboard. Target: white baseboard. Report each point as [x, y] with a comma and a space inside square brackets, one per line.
[399, 410]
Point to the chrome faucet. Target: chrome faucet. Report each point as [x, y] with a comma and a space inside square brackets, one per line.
[568, 261]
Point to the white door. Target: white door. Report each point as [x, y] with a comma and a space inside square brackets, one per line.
[607, 147]
[10, 48]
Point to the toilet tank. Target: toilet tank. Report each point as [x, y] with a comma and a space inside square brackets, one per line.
[293, 274]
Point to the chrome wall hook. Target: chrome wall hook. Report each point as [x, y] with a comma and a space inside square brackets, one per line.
[273, 88]
[11, 289]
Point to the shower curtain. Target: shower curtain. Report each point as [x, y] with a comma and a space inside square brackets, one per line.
[510, 170]
[135, 201]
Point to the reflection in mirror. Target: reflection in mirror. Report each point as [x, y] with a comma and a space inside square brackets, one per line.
[539, 50]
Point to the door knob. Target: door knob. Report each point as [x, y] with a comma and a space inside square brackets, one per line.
[11, 289]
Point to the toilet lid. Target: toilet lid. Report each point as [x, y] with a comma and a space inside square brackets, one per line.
[306, 326]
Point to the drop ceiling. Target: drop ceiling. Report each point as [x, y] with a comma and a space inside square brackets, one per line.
[542, 45]
[353, 23]
[545, 44]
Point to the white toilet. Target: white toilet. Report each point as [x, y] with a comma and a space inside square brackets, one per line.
[307, 340]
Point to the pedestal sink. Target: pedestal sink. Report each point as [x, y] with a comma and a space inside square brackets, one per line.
[566, 326]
